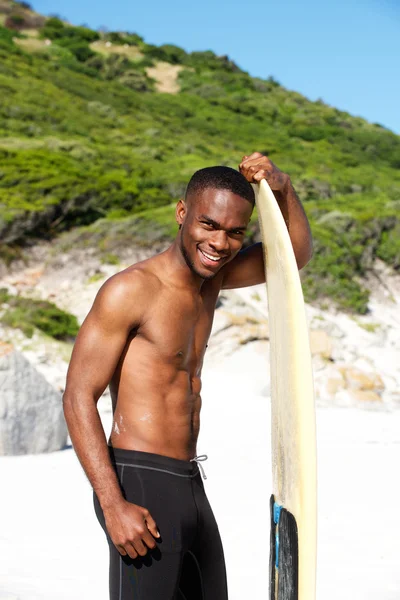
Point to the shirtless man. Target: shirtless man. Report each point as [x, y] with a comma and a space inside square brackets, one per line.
[146, 336]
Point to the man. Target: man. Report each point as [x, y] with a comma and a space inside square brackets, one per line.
[146, 336]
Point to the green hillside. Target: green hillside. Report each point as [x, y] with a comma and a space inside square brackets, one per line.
[86, 135]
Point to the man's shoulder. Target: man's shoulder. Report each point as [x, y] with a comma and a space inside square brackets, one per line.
[137, 283]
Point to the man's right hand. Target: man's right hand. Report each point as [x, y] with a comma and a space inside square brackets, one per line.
[131, 528]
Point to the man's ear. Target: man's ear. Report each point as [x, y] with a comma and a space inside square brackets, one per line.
[180, 212]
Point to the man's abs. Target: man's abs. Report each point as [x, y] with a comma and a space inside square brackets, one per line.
[156, 405]
[168, 427]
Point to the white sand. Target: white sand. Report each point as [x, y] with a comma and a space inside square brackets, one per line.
[52, 548]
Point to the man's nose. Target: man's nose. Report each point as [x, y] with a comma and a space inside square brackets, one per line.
[219, 240]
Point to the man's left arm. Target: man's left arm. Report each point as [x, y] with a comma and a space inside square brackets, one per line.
[248, 266]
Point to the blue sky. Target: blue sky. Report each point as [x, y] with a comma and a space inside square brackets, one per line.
[345, 52]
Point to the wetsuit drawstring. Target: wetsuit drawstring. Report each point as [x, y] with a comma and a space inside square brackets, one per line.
[198, 460]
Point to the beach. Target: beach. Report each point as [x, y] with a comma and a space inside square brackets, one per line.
[52, 547]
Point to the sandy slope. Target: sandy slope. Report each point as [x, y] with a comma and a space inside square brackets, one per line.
[51, 546]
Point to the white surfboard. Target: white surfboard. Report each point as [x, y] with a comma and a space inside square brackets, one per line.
[293, 434]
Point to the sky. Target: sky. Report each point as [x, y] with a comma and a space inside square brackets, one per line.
[345, 52]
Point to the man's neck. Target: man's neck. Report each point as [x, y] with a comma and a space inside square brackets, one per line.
[178, 271]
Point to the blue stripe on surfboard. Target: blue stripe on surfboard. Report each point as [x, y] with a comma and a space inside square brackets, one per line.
[277, 513]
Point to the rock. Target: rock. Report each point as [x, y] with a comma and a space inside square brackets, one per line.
[28, 278]
[347, 385]
[328, 382]
[318, 363]
[365, 396]
[31, 414]
[334, 384]
[329, 325]
[321, 343]
[5, 348]
[359, 380]
[251, 333]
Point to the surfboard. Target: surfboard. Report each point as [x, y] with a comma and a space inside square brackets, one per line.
[293, 504]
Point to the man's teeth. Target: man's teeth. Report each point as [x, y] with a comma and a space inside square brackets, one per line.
[214, 258]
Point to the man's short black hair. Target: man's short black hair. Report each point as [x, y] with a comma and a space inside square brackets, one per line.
[221, 178]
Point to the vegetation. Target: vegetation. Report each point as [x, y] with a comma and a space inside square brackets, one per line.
[370, 327]
[86, 140]
[27, 314]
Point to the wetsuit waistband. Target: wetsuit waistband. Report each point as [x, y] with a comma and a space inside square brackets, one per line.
[157, 462]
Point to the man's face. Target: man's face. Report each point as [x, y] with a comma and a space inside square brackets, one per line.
[213, 226]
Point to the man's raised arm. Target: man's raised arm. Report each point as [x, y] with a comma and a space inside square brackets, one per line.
[248, 266]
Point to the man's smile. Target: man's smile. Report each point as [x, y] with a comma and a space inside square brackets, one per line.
[210, 259]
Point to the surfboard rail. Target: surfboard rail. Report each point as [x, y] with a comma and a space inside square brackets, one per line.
[293, 429]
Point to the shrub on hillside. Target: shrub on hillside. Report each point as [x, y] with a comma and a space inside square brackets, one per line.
[55, 29]
[81, 33]
[221, 85]
[22, 4]
[27, 314]
[116, 37]
[135, 80]
[154, 197]
[263, 85]
[96, 62]
[7, 45]
[115, 65]
[209, 60]
[62, 57]
[389, 247]
[119, 68]
[60, 54]
[134, 39]
[6, 36]
[15, 21]
[394, 160]
[80, 49]
[334, 269]
[75, 39]
[167, 52]
[24, 20]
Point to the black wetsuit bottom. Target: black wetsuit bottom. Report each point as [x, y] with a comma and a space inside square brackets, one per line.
[188, 562]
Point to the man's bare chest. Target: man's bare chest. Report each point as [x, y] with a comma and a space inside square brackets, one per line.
[179, 328]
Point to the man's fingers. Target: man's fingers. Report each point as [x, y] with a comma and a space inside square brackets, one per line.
[257, 177]
[151, 524]
[121, 549]
[130, 551]
[140, 547]
[246, 164]
[250, 169]
[256, 159]
[149, 540]
[255, 173]
[253, 155]
[274, 182]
